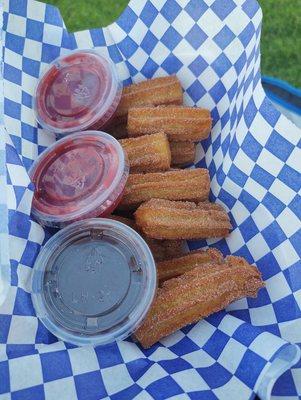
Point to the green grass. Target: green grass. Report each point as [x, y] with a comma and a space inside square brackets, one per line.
[87, 14]
[281, 40]
[281, 36]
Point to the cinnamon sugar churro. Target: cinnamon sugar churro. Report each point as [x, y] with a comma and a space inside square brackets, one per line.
[182, 153]
[148, 153]
[190, 184]
[177, 266]
[197, 294]
[179, 123]
[165, 219]
[161, 249]
[153, 92]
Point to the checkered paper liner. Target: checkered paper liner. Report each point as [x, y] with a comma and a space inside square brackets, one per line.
[253, 156]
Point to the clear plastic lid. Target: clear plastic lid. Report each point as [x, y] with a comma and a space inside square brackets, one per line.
[80, 176]
[93, 282]
[79, 91]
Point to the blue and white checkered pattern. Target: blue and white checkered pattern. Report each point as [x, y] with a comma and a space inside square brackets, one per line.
[253, 156]
[4, 255]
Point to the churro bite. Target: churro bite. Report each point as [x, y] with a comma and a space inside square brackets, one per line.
[153, 92]
[196, 294]
[165, 219]
[182, 153]
[190, 185]
[174, 267]
[148, 153]
[181, 124]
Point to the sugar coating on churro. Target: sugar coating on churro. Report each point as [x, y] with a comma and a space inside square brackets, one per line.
[148, 153]
[190, 184]
[164, 90]
[165, 219]
[182, 153]
[179, 123]
[161, 249]
[177, 266]
[197, 294]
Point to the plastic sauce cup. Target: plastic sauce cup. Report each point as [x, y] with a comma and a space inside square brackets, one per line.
[80, 176]
[93, 282]
[79, 91]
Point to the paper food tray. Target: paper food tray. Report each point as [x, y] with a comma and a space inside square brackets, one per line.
[254, 162]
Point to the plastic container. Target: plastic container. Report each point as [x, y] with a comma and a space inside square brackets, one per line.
[79, 91]
[80, 176]
[93, 282]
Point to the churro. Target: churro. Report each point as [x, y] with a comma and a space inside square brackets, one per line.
[182, 153]
[147, 153]
[179, 123]
[153, 92]
[165, 219]
[177, 266]
[197, 294]
[161, 249]
[190, 185]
